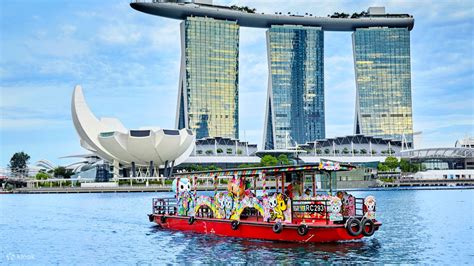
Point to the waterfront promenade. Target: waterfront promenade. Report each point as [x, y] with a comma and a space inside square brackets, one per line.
[399, 185]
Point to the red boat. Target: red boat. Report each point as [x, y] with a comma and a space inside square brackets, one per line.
[301, 208]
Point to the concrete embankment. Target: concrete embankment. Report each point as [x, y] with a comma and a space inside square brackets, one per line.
[120, 189]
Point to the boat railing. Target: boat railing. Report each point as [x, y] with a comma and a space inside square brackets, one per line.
[359, 207]
[164, 206]
[310, 208]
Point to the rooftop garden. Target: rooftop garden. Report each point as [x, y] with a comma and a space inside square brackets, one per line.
[243, 8]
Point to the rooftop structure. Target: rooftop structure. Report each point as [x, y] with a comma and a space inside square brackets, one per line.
[249, 18]
[355, 145]
[223, 147]
[442, 158]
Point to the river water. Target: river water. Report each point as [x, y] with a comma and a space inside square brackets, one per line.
[419, 226]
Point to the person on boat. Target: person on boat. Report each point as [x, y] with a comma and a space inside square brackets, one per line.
[307, 192]
[289, 191]
[248, 189]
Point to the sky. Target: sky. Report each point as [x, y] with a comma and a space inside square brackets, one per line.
[127, 63]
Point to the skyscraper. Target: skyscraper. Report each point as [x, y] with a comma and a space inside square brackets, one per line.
[295, 101]
[208, 96]
[208, 90]
[383, 81]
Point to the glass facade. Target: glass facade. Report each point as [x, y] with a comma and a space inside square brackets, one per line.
[383, 80]
[208, 96]
[295, 104]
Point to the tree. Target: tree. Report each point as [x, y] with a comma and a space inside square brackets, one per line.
[408, 167]
[213, 168]
[209, 152]
[248, 165]
[268, 160]
[19, 160]
[239, 151]
[391, 162]
[61, 171]
[42, 176]
[382, 167]
[219, 150]
[326, 151]
[318, 151]
[345, 150]
[283, 159]
[363, 151]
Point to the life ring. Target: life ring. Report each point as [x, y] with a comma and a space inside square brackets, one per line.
[368, 227]
[191, 220]
[302, 230]
[163, 219]
[277, 228]
[150, 217]
[235, 224]
[353, 227]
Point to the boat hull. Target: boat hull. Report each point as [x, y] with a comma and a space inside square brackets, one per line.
[257, 230]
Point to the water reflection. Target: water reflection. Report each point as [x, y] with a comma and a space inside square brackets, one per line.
[199, 248]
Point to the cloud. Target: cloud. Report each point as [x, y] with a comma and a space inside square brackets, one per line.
[119, 34]
[25, 124]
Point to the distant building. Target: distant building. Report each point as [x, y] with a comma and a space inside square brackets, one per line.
[223, 147]
[295, 101]
[208, 90]
[441, 158]
[356, 145]
[129, 149]
[445, 174]
[467, 142]
[208, 97]
[383, 81]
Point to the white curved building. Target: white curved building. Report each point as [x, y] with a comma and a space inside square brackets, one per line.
[110, 140]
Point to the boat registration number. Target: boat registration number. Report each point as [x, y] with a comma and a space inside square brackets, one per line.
[314, 208]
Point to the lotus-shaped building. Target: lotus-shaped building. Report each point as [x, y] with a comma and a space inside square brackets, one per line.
[111, 141]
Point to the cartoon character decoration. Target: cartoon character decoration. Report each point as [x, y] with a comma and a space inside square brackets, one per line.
[184, 197]
[236, 187]
[228, 204]
[335, 210]
[220, 202]
[369, 207]
[276, 208]
[348, 203]
[246, 202]
[224, 206]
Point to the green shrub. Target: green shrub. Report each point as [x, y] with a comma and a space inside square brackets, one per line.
[42, 176]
